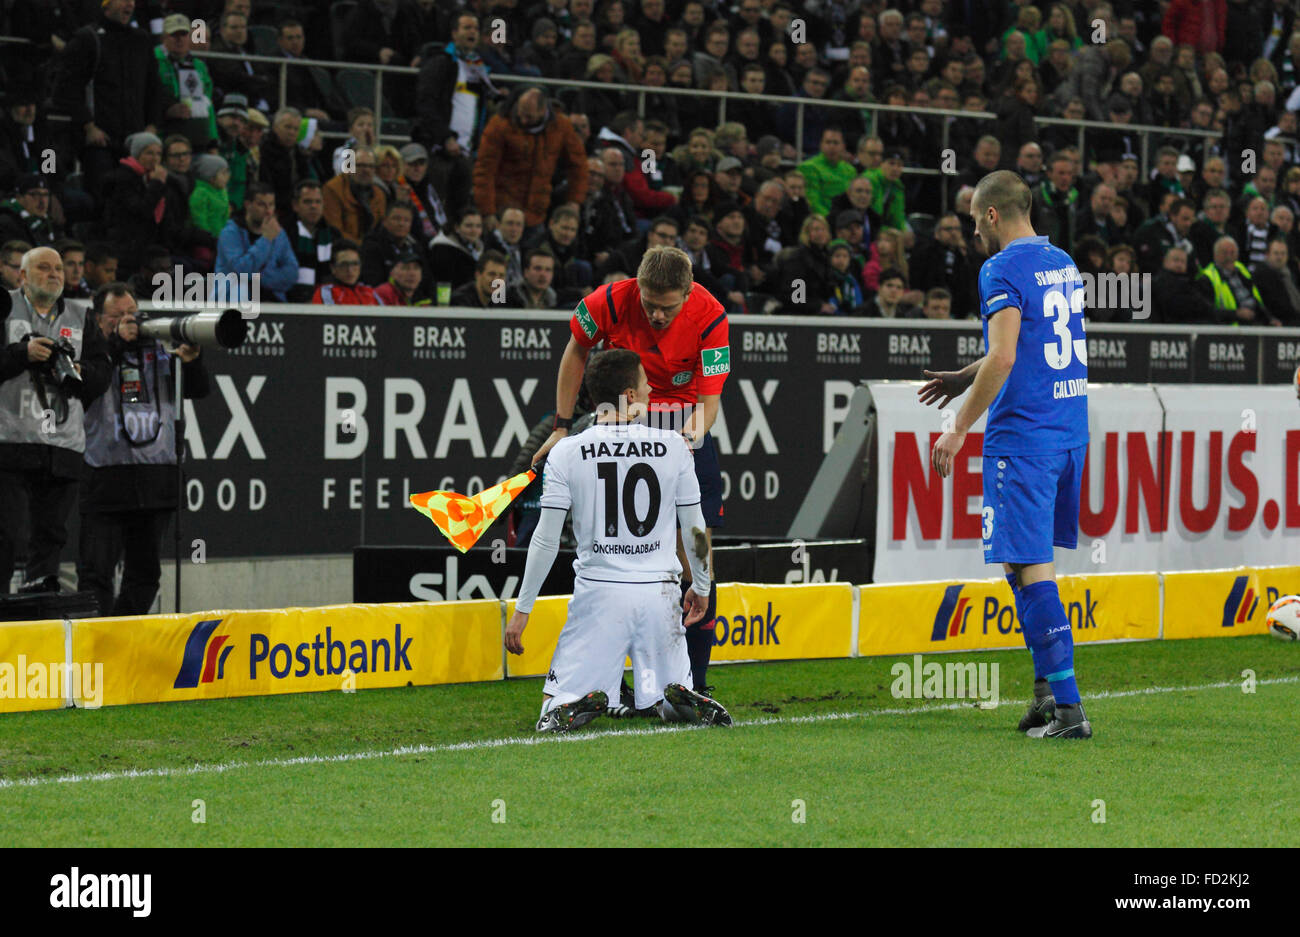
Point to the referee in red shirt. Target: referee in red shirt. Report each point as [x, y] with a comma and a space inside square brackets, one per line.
[680, 332]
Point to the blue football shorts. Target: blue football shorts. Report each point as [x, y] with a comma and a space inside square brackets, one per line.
[1031, 504]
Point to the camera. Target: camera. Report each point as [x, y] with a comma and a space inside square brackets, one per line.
[225, 328]
[61, 365]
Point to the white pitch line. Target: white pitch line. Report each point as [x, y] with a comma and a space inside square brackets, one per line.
[480, 744]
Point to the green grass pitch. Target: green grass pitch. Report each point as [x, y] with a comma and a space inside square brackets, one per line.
[1187, 764]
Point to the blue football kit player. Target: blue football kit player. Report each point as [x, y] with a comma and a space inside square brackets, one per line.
[1033, 381]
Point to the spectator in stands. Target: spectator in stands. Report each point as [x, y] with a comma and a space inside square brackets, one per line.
[101, 264]
[1228, 285]
[26, 216]
[392, 239]
[455, 252]
[361, 132]
[1253, 233]
[312, 239]
[575, 53]
[1211, 225]
[888, 301]
[729, 177]
[946, 263]
[302, 86]
[136, 200]
[1164, 230]
[521, 149]
[354, 202]
[806, 279]
[209, 202]
[487, 285]
[816, 82]
[846, 298]
[1276, 282]
[889, 204]
[452, 92]
[1095, 220]
[707, 260]
[1095, 73]
[345, 288]
[405, 286]
[507, 239]
[73, 254]
[429, 204]
[191, 96]
[540, 53]
[624, 133]
[574, 275]
[11, 263]
[1056, 201]
[611, 216]
[232, 122]
[108, 84]
[253, 243]
[388, 174]
[238, 77]
[384, 32]
[1164, 178]
[535, 291]
[829, 173]
[988, 156]
[765, 232]
[24, 137]
[284, 161]
[1174, 295]
[938, 304]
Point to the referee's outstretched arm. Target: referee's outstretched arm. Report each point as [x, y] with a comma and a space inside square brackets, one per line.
[567, 383]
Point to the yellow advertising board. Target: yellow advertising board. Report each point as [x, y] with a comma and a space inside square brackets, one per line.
[32, 671]
[1220, 603]
[795, 622]
[981, 615]
[753, 622]
[205, 655]
[540, 637]
[1275, 581]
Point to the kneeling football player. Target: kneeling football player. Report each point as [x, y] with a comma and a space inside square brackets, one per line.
[628, 485]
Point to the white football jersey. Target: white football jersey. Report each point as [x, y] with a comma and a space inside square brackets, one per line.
[624, 483]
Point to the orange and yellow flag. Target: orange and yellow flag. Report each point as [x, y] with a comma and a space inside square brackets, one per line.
[463, 518]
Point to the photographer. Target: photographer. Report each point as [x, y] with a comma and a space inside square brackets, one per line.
[131, 450]
[54, 362]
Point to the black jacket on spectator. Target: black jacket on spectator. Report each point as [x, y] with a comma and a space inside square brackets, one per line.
[450, 261]
[434, 88]
[937, 264]
[129, 215]
[1273, 291]
[18, 154]
[1175, 298]
[610, 219]
[127, 92]
[282, 168]
[379, 252]
[367, 33]
[231, 77]
[467, 295]
[813, 267]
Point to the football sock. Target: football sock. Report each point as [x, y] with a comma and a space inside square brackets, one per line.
[699, 641]
[1042, 689]
[1047, 634]
[1013, 580]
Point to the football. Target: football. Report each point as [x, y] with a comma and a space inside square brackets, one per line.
[1283, 618]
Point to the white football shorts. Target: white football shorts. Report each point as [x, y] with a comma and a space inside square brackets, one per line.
[611, 621]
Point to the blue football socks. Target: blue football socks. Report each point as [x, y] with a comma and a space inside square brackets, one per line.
[1049, 639]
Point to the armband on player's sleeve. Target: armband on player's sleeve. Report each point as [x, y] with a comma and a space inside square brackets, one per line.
[996, 293]
[588, 322]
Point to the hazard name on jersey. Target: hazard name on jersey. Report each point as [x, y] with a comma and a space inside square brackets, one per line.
[624, 449]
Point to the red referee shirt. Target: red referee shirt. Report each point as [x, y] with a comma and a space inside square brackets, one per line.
[683, 362]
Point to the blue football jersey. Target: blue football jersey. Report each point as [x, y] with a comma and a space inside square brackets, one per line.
[1043, 406]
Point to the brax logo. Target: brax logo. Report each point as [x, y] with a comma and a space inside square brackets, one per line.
[839, 343]
[439, 336]
[103, 891]
[908, 344]
[1233, 352]
[353, 335]
[1165, 350]
[265, 333]
[764, 341]
[525, 338]
[1112, 348]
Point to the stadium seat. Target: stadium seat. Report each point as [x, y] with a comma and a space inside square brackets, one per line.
[263, 39]
[357, 87]
[340, 13]
[922, 224]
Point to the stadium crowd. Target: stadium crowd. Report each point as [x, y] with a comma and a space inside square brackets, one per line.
[529, 196]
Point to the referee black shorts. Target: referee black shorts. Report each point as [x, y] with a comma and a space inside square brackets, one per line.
[709, 473]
